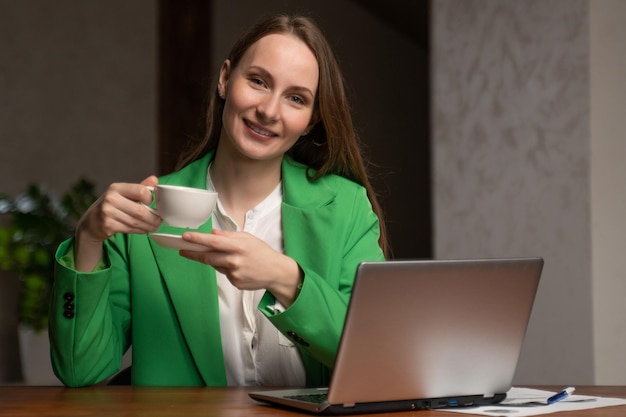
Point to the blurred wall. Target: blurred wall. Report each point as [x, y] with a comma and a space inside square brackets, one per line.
[78, 91]
[78, 98]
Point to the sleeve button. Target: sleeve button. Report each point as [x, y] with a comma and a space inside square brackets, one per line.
[296, 338]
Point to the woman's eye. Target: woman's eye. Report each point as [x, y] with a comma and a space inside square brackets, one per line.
[296, 99]
[257, 81]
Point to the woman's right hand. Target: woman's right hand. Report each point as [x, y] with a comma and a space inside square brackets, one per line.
[116, 211]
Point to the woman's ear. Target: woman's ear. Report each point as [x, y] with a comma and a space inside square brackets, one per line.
[222, 82]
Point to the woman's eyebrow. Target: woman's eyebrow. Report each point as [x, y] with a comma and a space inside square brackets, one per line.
[266, 74]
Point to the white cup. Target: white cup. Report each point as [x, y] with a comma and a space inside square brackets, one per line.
[184, 206]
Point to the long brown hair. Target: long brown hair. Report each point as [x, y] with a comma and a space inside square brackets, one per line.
[332, 146]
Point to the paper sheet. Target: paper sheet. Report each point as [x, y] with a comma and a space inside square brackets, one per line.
[523, 402]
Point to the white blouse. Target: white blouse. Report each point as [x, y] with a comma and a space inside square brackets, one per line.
[255, 352]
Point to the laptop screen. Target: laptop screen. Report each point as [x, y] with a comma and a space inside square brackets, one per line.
[428, 329]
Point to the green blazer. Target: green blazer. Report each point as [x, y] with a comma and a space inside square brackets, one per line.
[166, 305]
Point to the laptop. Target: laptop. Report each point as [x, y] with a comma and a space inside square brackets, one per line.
[425, 334]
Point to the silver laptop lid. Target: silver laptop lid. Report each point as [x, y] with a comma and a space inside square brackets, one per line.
[430, 329]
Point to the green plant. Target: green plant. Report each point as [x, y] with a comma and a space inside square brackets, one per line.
[38, 222]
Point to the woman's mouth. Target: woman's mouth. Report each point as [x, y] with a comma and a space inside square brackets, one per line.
[259, 130]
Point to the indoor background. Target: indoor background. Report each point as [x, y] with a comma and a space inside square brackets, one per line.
[494, 128]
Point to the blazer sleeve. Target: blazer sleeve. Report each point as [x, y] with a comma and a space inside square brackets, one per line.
[89, 320]
[328, 251]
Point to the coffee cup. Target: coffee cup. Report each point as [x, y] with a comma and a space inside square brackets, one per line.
[183, 207]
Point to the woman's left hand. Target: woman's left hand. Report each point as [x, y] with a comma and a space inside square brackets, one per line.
[248, 262]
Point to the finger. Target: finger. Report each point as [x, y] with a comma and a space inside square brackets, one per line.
[201, 238]
[227, 233]
[225, 244]
[128, 215]
[149, 183]
[152, 181]
[139, 215]
[205, 257]
[134, 192]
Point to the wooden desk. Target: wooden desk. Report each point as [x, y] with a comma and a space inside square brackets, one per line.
[109, 401]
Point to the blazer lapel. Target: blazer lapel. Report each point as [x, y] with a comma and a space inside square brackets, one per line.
[307, 210]
[193, 291]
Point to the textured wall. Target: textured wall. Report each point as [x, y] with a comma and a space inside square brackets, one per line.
[511, 160]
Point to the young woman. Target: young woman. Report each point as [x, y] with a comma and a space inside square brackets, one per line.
[265, 303]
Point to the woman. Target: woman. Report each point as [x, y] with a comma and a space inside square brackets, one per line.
[265, 303]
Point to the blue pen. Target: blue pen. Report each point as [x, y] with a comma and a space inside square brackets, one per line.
[561, 395]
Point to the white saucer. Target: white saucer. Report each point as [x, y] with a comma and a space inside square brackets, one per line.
[175, 242]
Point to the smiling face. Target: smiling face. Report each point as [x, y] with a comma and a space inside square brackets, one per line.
[269, 98]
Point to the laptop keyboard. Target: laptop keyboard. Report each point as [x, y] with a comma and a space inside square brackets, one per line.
[310, 398]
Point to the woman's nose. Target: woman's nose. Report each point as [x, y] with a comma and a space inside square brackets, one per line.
[269, 108]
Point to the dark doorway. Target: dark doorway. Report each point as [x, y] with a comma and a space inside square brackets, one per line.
[184, 35]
